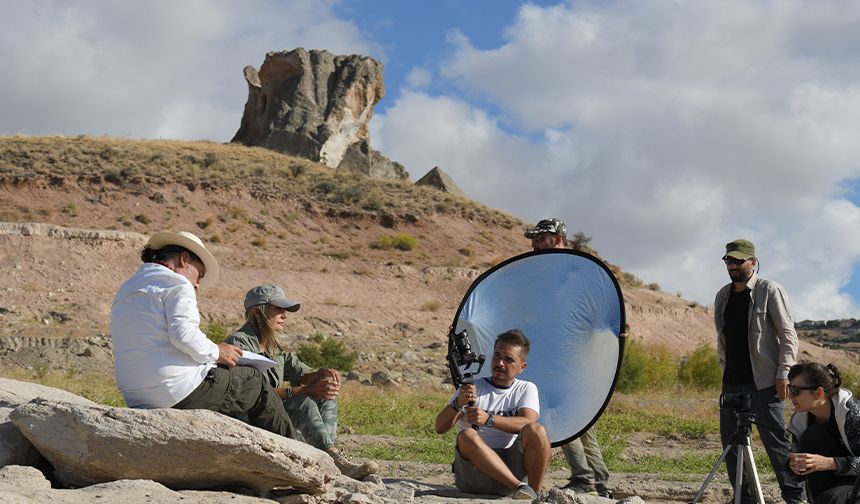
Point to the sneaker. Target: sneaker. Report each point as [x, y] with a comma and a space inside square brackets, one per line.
[581, 488]
[524, 492]
[350, 468]
[605, 493]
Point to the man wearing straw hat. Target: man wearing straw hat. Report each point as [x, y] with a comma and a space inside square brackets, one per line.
[163, 359]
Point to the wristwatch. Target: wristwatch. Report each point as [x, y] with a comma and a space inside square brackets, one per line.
[455, 407]
[491, 420]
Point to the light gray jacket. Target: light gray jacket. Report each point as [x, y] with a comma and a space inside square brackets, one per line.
[772, 339]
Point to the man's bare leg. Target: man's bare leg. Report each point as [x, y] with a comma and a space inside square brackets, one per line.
[476, 451]
[536, 446]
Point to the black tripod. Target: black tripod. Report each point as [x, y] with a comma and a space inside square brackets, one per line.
[740, 441]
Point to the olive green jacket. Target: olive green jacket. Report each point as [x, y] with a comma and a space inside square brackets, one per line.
[288, 368]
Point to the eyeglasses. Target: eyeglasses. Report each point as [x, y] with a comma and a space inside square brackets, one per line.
[795, 389]
[732, 260]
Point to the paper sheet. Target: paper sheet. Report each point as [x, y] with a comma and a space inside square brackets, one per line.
[255, 360]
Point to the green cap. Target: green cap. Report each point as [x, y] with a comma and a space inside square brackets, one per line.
[740, 249]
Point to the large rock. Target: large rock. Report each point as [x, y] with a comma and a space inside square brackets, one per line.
[14, 392]
[181, 449]
[316, 105]
[15, 449]
[28, 485]
[361, 158]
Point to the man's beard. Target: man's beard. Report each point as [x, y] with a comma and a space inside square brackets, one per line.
[739, 275]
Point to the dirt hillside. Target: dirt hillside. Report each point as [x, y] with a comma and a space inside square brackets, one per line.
[74, 213]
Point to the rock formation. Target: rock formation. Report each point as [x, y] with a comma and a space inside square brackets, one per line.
[440, 180]
[178, 448]
[316, 105]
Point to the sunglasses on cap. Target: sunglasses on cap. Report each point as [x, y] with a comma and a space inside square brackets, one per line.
[736, 262]
[795, 389]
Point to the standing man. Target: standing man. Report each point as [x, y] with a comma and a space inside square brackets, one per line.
[500, 440]
[588, 472]
[163, 359]
[757, 345]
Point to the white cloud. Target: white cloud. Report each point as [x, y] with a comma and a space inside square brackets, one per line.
[664, 130]
[148, 69]
[418, 78]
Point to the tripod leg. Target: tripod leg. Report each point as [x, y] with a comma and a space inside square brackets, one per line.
[711, 474]
[739, 474]
[752, 474]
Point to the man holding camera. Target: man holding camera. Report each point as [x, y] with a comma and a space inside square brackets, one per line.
[757, 345]
[500, 440]
[588, 472]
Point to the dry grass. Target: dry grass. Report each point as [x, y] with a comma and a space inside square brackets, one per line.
[141, 166]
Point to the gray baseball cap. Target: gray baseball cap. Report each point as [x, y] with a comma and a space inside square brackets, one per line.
[270, 294]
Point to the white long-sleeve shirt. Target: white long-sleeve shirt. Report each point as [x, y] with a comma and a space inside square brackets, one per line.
[160, 353]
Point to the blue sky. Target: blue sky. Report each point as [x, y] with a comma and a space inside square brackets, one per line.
[661, 129]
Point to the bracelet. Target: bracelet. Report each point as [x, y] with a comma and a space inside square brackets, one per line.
[289, 392]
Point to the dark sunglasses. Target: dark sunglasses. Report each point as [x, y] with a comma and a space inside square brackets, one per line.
[795, 390]
[732, 260]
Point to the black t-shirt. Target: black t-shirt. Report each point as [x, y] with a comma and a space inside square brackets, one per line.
[738, 365]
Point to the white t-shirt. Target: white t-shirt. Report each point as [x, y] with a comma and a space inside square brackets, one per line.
[160, 353]
[501, 401]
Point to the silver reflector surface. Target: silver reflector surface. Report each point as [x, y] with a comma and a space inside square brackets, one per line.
[570, 306]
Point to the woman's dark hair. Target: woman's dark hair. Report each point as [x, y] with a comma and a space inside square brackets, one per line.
[817, 375]
[166, 253]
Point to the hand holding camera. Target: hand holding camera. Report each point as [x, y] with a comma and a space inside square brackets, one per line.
[468, 395]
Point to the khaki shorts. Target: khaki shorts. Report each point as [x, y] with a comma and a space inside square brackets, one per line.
[469, 479]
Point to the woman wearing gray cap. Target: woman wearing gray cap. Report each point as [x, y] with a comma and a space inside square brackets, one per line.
[310, 399]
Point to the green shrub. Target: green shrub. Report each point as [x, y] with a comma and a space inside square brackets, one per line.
[651, 367]
[701, 369]
[297, 169]
[399, 241]
[851, 381]
[215, 331]
[324, 352]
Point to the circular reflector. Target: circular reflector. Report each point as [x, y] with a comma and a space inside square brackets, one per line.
[570, 306]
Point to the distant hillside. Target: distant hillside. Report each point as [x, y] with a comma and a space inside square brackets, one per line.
[381, 265]
[842, 334]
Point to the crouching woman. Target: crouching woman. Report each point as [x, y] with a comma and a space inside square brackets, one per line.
[825, 429]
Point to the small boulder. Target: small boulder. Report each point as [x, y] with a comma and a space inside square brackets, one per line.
[440, 180]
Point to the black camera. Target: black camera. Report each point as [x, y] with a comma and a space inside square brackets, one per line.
[741, 401]
[460, 355]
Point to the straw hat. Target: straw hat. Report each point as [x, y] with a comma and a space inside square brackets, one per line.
[192, 243]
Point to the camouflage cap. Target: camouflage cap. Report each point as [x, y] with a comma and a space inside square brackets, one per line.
[740, 249]
[551, 225]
